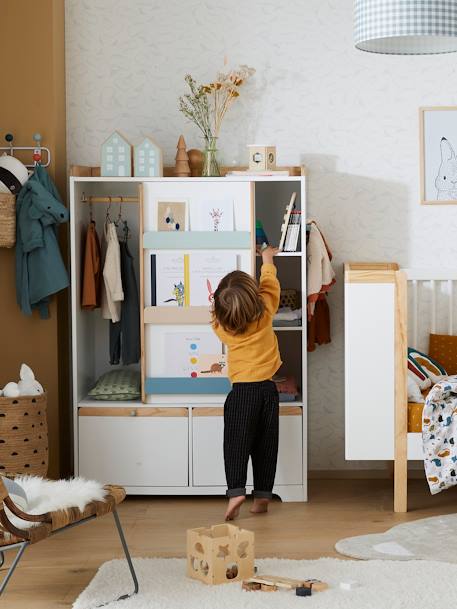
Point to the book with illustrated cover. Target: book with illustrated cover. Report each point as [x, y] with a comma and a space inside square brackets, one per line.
[213, 216]
[168, 280]
[205, 272]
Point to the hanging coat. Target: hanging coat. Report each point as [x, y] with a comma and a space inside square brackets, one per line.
[92, 273]
[125, 334]
[40, 271]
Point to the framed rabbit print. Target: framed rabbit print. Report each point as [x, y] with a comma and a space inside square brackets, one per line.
[438, 159]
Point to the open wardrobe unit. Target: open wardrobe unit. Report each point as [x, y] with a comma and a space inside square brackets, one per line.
[182, 235]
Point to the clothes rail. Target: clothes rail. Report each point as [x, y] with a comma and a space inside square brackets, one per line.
[114, 199]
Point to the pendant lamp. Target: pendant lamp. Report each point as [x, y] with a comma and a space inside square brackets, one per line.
[406, 27]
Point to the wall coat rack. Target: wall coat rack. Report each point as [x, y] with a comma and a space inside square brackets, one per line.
[37, 150]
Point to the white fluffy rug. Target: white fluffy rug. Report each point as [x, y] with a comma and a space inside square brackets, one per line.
[382, 585]
[425, 539]
[50, 495]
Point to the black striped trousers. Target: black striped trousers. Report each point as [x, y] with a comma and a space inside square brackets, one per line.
[251, 429]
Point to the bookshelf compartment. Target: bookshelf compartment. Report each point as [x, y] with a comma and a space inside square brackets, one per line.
[203, 240]
[177, 315]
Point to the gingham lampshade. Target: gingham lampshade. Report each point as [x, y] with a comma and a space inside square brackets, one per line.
[406, 27]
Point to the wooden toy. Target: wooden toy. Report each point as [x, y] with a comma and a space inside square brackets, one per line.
[147, 159]
[220, 554]
[182, 167]
[262, 158]
[195, 162]
[272, 583]
[116, 156]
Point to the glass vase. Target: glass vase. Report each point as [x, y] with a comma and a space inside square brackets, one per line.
[210, 164]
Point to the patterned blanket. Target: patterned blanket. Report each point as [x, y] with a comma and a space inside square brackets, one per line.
[439, 435]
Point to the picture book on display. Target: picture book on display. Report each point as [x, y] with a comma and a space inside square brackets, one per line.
[195, 355]
[179, 280]
[212, 216]
[171, 216]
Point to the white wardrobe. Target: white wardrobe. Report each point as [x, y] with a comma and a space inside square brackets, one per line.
[170, 441]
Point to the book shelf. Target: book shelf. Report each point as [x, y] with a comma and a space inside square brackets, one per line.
[178, 423]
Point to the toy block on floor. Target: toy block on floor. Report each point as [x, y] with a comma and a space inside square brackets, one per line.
[270, 583]
[220, 554]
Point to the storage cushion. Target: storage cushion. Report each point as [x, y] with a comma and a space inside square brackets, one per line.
[443, 347]
[121, 384]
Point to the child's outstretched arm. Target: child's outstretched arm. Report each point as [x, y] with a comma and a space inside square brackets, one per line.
[269, 284]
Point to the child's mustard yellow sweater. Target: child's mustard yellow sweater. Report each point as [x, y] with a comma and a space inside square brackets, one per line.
[254, 355]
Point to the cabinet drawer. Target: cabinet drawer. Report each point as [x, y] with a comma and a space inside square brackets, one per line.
[134, 446]
[208, 457]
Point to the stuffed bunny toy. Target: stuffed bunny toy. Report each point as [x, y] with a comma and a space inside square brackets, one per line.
[446, 180]
[26, 386]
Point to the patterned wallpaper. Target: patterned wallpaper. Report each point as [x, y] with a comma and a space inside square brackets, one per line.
[351, 117]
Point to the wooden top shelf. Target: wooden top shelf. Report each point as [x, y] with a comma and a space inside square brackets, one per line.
[207, 240]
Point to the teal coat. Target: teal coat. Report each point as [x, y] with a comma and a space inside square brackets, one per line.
[40, 271]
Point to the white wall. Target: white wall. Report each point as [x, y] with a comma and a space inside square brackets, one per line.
[350, 116]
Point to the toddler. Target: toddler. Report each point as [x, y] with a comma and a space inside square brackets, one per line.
[243, 313]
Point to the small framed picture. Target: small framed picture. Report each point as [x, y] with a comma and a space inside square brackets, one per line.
[438, 158]
[172, 216]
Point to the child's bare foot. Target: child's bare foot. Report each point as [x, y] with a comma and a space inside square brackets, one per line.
[260, 506]
[233, 508]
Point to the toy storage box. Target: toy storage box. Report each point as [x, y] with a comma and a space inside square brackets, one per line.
[220, 554]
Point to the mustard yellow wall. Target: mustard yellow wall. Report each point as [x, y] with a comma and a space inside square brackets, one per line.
[33, 99]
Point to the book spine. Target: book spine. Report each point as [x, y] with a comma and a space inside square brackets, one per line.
[153, 280]
[186, 281]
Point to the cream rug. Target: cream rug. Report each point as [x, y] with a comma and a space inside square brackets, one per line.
[381, 585]
[426, 539]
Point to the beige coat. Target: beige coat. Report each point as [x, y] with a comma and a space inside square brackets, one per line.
[112, 292]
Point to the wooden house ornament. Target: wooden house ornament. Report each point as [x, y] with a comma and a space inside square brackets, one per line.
[116, 158]
[147, 159]
[262, 158]
[220, 554]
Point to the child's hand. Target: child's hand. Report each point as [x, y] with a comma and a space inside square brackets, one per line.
[268, 254]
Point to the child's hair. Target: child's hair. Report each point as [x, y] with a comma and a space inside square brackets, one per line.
[237, 302]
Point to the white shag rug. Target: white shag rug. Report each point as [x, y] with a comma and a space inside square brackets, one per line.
[381, 585]
[49, 495]
[425, 539]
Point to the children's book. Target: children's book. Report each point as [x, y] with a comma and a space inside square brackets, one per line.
[194, 354]
[168, 280]
[205, 272]
[171, 216]
[211, 216]
[285, 224]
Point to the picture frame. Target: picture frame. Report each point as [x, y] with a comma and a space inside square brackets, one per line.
[438, 155]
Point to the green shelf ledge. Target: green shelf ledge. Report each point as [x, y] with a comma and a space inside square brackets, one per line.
[203, 240]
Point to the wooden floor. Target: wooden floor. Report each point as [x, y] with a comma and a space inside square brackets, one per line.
[53, 572]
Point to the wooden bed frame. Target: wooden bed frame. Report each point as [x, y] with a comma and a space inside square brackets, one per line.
[386, 285]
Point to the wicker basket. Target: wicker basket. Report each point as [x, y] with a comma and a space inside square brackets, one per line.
[23, 435]
[289, 298]
[7, 220]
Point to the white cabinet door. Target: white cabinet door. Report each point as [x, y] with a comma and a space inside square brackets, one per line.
[208, 457]
[149, 449]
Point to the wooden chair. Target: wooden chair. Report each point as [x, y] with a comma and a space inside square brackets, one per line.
[51, 523]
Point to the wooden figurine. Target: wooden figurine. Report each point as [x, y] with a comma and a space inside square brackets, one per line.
[182, 167]
[262, 158]
[195, 162]
[147, 159]
[116, 156]
[220, 554]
